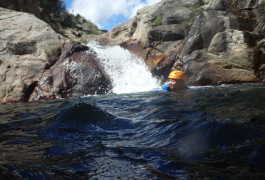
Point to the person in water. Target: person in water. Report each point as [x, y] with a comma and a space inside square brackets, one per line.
[175, 82]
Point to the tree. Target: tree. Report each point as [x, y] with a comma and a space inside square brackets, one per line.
[52, 8]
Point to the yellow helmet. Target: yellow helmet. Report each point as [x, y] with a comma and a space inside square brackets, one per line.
[176, 75]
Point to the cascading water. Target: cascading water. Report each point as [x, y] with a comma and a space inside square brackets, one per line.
[128, 73]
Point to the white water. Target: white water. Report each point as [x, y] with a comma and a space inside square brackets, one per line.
[128, 73]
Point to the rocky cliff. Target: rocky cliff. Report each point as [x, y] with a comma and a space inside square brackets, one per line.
[213, 41]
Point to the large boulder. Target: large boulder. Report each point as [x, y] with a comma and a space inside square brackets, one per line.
[27, 47]
[75, 74]
[32, 52]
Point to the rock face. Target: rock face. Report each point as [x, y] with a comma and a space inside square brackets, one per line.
[213, 41]
[220, 47]
[74, 74]
[26, 44]
[29, 49]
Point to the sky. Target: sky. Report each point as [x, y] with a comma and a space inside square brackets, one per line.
[107, 13]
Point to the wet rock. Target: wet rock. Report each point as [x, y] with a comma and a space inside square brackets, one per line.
[35, 59]
[161, 59]
[75, 74]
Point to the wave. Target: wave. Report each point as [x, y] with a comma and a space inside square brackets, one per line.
[84, 118]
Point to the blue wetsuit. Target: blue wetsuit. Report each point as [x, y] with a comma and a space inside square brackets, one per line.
[181, 87]
[166, 88]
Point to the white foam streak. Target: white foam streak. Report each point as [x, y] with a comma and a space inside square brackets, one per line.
[128, 73]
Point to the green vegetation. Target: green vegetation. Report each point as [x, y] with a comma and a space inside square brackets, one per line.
[157, 21]
[133, 28]
[93, 29]
[161, 41]
[132, 31]
[55, 14]
[82, 40]
[185, 26]
[67, 19]
[79, 23]
[196, 8]
[53, 8]
[263, 1]
[50, 12]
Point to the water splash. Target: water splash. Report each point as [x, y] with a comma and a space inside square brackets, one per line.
[128, 73]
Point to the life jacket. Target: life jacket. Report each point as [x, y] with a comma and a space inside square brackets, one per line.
[166, 88]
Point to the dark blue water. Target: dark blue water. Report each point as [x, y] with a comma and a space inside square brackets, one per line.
[203, 133]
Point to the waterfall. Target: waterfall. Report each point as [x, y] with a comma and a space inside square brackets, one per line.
[128, 73]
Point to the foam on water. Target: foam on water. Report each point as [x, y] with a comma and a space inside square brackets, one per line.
[128, 73]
